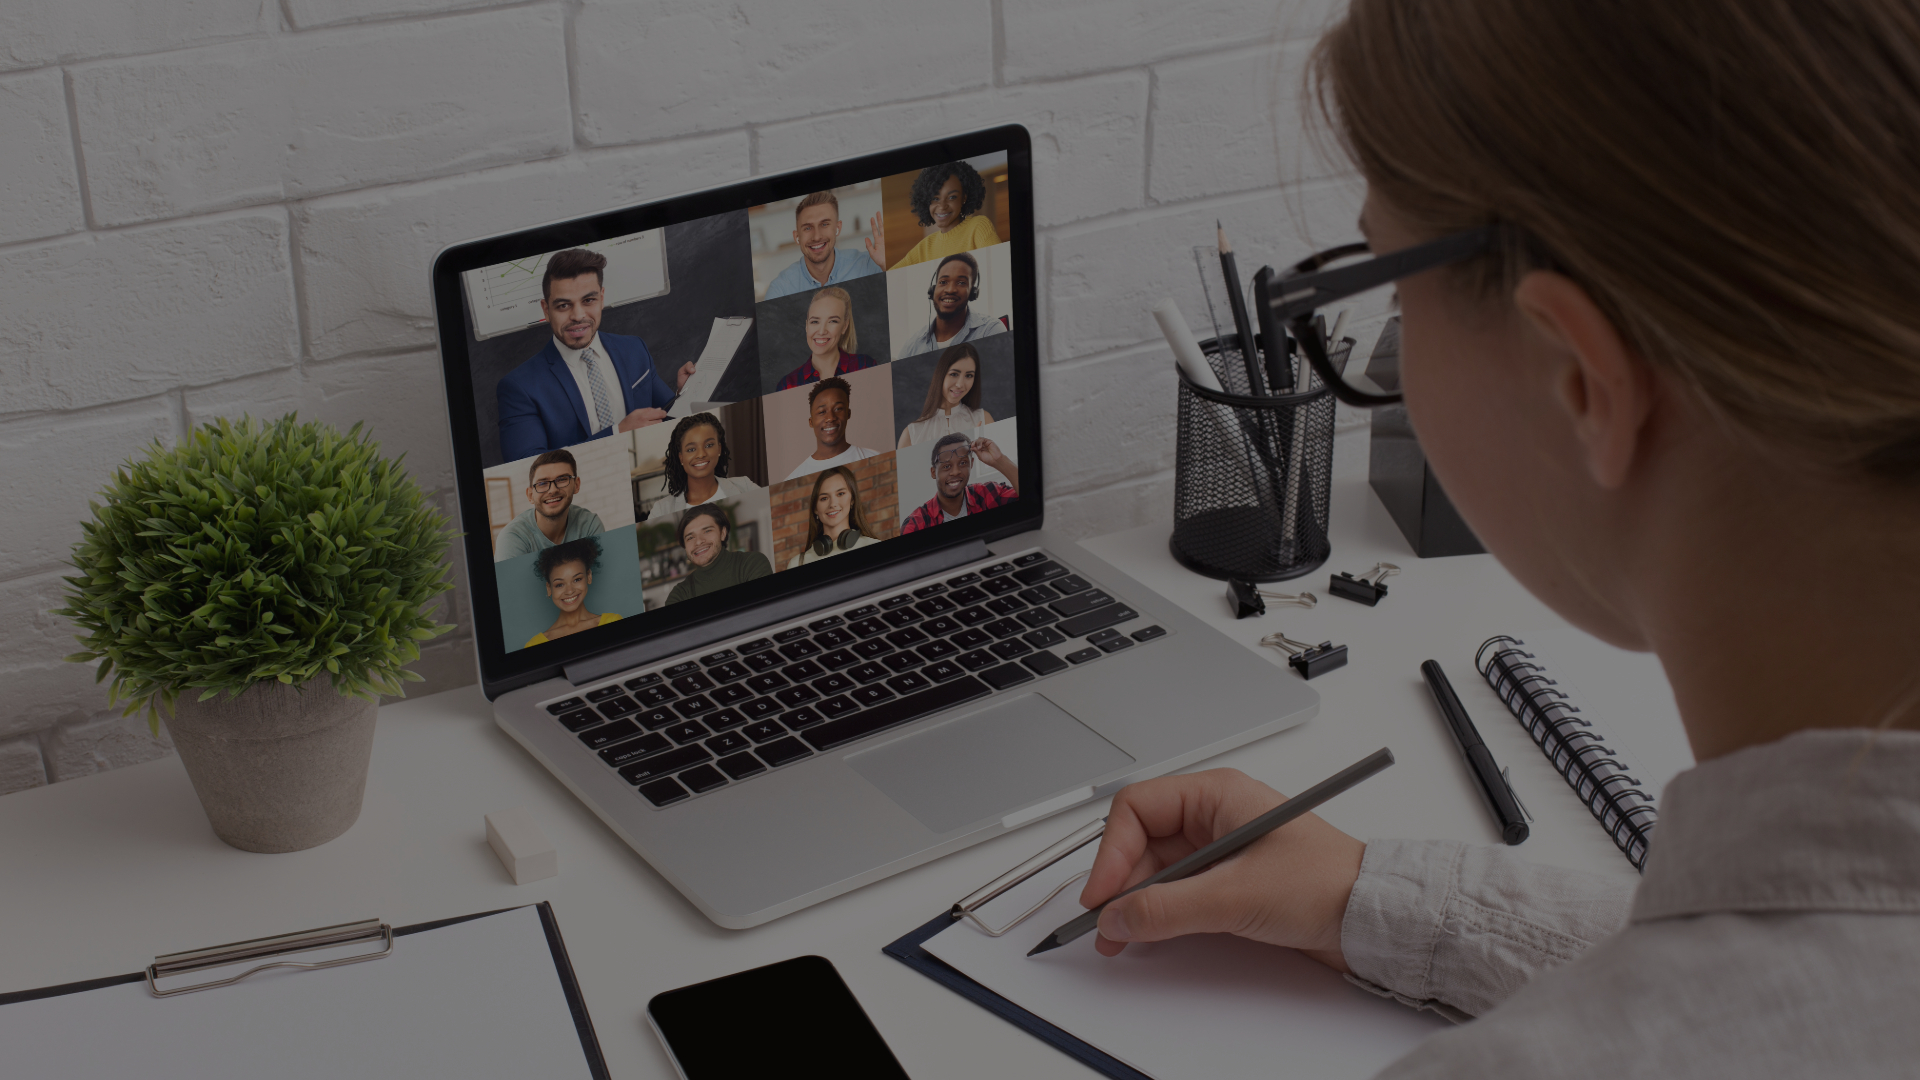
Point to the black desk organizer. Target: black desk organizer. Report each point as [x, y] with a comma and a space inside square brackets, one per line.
[1232, 472]
[1398, 469]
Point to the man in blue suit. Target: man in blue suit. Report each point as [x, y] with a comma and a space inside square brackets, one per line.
[584, 384]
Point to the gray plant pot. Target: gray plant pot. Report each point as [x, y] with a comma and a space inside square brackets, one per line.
[279, 768]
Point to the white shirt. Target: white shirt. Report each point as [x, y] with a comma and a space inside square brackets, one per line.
[961, 421]
[808, 465]
[577, 361]
[731, 487]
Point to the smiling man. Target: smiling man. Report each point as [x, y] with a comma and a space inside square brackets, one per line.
[703, 533]
[955, 285]
[552, 518]
[816, 228]
[829, 408]
[954, 498]
[584, 384]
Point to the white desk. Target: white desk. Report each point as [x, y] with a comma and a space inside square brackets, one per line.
[99, 874]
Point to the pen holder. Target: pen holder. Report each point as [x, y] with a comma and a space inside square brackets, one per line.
[1252, 476]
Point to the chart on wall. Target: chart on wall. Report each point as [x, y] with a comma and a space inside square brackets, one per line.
[506, 297]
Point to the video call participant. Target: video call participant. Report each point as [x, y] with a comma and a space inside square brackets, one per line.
[703, 532]
[951, 293]
[551, 518]
[567, 571]
[954, 498]
[829, 407]
[953, 400]
[949, 198]
[832, 344]
[697, 463]
[834, 522]
[583, 384]
[816, 226]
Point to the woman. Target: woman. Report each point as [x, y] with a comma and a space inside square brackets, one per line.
[953, 400]
[835, 523]
[696, 463]
[832, 345]
[1681, 383]
[567, 571]
[948, 199]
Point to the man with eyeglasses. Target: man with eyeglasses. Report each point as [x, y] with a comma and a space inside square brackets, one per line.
[954, 498]
[552, 519]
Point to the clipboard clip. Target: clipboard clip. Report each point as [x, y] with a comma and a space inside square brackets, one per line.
[969, 908]
[181, 963]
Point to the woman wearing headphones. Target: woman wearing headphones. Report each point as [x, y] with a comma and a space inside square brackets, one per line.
[834, 521]
[1657, 267]
[697, 462]
[953, 400]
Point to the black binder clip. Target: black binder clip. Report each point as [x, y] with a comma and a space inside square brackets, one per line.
[1308, 660]
[1366, 589]
[1245, 597]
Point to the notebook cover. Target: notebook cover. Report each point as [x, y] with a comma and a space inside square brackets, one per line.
[907, 950]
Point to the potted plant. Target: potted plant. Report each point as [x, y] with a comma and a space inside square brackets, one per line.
[257, 587]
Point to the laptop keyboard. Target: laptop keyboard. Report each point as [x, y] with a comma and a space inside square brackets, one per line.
[698, 725]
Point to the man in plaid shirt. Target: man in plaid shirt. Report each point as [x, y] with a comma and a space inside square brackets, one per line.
[953, 497]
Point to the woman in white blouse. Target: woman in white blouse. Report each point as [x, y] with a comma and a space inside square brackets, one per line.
[953, 400]
[697, 463]
[835, 522]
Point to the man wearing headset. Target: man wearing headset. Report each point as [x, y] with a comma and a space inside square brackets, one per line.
[954, 288]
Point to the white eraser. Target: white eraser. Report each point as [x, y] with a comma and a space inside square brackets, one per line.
[523, 849]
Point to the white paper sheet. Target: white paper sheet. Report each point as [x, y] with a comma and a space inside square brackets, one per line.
[476, 1000]
[712, 363]
[1198, 1007]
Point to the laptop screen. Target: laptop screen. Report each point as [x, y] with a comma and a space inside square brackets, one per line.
[664, 413]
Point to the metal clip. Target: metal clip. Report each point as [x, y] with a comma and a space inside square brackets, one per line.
[1308, 660]
[180, 963]
[1245, 597]
[992, 890]
[1368, 588]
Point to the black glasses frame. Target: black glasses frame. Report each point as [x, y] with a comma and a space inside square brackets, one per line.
[1292, 298]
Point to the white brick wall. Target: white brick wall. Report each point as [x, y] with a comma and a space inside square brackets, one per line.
[217, 207]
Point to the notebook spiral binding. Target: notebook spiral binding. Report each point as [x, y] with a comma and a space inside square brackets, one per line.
[1582, 758]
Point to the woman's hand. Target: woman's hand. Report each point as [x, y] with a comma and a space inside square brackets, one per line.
[1288, 888]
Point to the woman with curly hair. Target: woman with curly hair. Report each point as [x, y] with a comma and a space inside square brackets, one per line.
[949, 199]
[567, 570]
[697, 464]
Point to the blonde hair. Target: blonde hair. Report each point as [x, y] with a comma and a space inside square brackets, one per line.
[849, 341]
[1732, 181]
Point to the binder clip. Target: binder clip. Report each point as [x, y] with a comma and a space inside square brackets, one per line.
[1308, 660]
[1366, 589]
[1245, 597]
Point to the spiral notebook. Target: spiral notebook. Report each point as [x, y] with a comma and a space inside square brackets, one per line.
[1613, 737]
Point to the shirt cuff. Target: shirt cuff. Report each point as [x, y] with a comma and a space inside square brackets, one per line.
[1395, 917]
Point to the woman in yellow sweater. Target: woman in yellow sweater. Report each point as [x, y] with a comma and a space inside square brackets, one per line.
[567, 570]
[948, 198]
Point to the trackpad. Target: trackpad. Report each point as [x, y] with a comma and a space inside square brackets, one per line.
[989, 763]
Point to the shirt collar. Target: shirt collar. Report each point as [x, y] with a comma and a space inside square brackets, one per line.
[1822, 820]
[572, 356]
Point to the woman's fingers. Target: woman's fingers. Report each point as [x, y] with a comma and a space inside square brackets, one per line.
[1157, 822]
[1204, 904]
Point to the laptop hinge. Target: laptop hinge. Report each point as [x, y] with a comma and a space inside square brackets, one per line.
[599, 666]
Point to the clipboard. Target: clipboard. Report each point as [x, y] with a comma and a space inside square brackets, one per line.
[183, 998]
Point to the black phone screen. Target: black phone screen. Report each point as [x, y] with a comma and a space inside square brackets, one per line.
[794, 1017]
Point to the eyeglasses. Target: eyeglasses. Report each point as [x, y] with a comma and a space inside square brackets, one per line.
[544, 486]
[1292, 298]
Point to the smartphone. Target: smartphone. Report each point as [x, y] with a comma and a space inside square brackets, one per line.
[796, 1017]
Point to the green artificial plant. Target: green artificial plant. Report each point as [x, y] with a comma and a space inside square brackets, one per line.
[255, 551]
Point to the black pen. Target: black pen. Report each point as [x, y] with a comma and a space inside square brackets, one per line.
[1237, 303]
[1506, 809]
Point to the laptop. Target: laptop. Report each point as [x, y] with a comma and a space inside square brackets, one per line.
[754, 515]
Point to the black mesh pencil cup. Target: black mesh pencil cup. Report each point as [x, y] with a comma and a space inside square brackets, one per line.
[1252, 475]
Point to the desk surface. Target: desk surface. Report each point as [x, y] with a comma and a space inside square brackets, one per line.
[99, 874]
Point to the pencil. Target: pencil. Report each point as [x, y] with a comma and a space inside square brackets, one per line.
[1230, 843]
[1237, 303]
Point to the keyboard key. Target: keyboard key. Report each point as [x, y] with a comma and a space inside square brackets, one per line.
[1149, 633]
[799, 650]
[692, 684]
[1009, 649]
[868, 672]
[911, 636]
[833, 684]
[893, 713]
[827, 623]
[1006, 675]
[801, 718]
[694, 706]
[976, 660]
[971, 639]
[862, 612]
[1039, 594]
[634, 749]
[892, 602]
[655, 719]
[727, 742]
[732, 695]
[996, 568]
[741, 765]
[868, 627]
[836, 707]
[872, 695]
[754, 646]
[937, 650]
[902, 661]
[1098, 619]
[608, 734]
[838, 659]
[898, 617]
[969, 595]
[728, 672]
[654, 695]
[791, 633]
[763, 730]
[727, 718]
[784, 752]
[833, 639]
[943, 671]
[765, 684]
[643, 680]
[942, 626]
[802, 671]
[1116, 644]
[908, 682]
[872, 649]
[1044, 663]
[925, 591]
[686, 731]
[606, 692]
[1068, 607]
[760, 708]
[1043, 638]
[664, 792]
[702, 778]
[1072, 583]
[1030, 558]
[1039, 572]
[963, 579]
[761, 661]
[1081, 656]
[795, 695]
[680, 669]
[618, 707]
[939, 605]
[720, 657]
[972, 616]
[672, 761]
[1004, 605]
[1104, 635]
[1003, 628]
[1037, 616]
[999, 586]
[580, 718]
[569, 705]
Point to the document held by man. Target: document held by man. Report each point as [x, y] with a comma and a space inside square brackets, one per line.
[712, 363]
